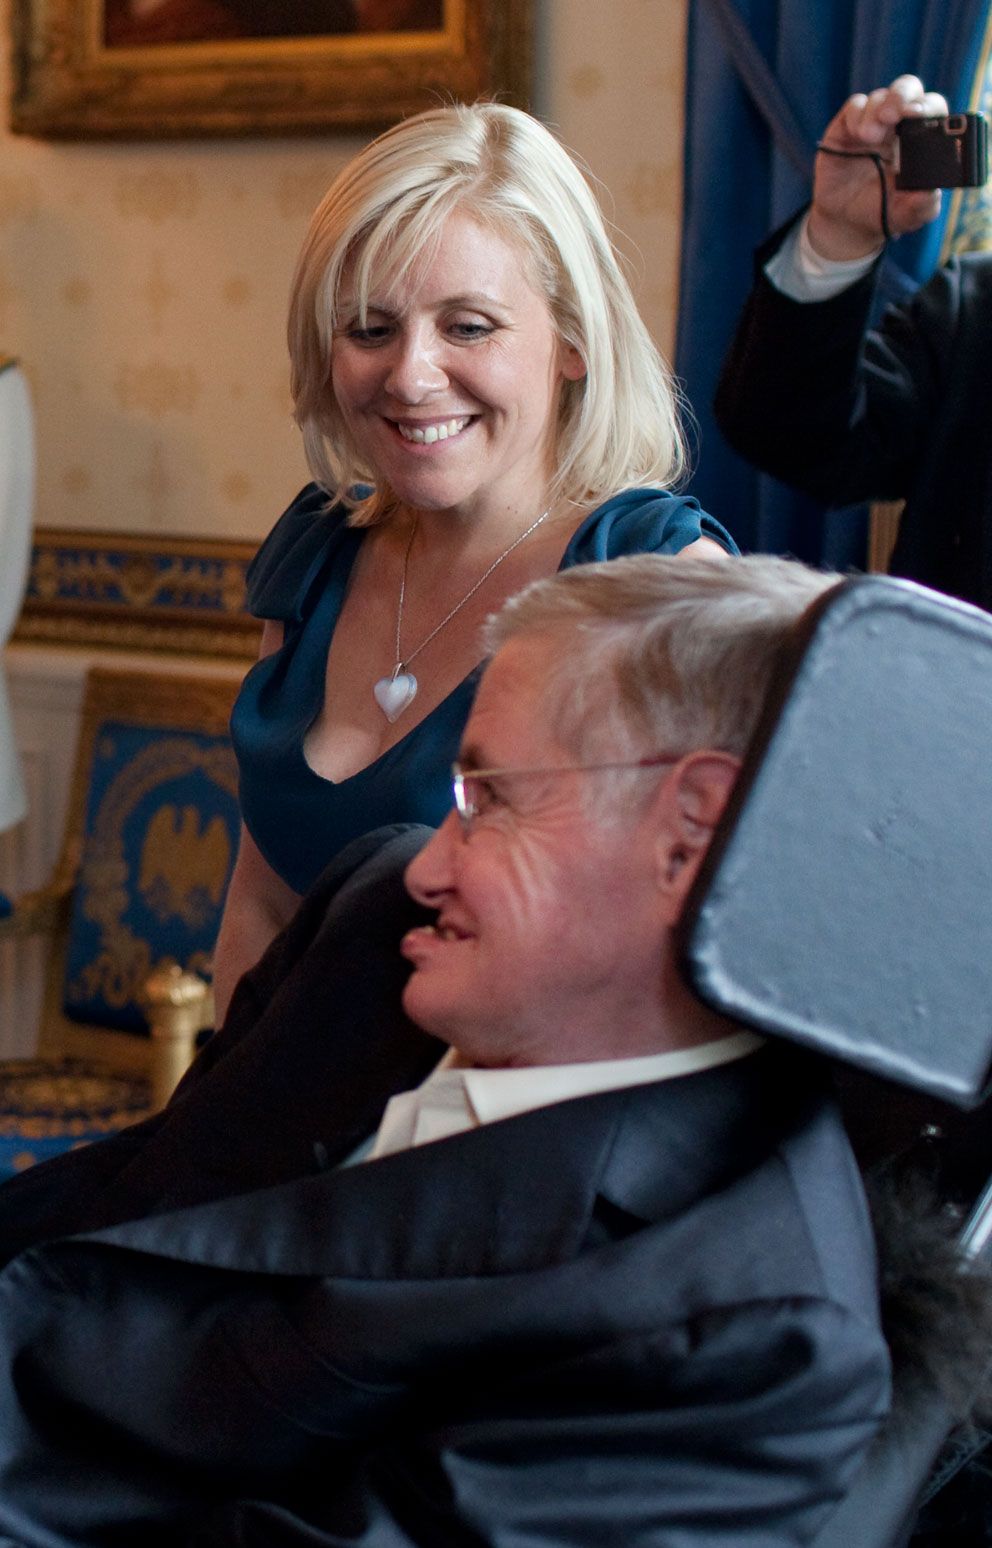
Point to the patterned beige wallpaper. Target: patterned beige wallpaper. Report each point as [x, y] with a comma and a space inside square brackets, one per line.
[144, 285]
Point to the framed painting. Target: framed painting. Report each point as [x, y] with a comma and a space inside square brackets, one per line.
[153, 69]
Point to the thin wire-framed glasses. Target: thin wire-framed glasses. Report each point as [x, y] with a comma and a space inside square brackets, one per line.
[474, 795]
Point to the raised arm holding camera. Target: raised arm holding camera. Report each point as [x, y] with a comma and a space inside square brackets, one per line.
[845, 221]
[813, 394]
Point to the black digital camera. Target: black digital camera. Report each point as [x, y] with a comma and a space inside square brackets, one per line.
[947, 152]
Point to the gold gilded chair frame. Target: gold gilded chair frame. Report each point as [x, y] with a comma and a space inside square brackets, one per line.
[177, 1004]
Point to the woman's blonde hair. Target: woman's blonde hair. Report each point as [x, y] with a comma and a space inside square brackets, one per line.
[618, 426]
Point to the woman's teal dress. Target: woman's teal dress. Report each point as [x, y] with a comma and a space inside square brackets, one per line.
[300, 820]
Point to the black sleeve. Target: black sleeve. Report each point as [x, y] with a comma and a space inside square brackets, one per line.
[811, 394]
[249, 1111]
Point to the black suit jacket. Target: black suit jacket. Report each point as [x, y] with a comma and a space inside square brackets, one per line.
[263, 1102]
[641, 1317]
[813, 395]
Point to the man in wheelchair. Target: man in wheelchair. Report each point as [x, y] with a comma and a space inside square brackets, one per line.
[553, 1253]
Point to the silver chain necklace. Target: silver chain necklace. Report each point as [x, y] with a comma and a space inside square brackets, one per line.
[395, 693]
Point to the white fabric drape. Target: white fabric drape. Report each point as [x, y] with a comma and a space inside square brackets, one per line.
[16, 509]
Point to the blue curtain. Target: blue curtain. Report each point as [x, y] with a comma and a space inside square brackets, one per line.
[747, 168]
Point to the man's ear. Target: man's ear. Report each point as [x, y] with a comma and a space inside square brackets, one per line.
[691, 803]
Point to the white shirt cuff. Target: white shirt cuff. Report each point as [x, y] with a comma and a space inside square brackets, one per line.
[799, 271]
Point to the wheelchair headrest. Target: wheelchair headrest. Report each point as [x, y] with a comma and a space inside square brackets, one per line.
[846, 901]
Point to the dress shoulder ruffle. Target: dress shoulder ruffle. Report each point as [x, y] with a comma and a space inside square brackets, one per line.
[293, 555]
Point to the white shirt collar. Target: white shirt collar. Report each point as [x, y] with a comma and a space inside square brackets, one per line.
[453, 1099]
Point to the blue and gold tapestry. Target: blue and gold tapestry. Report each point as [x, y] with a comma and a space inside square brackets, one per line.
[162, 826]
[969, 223]
[48, 1108]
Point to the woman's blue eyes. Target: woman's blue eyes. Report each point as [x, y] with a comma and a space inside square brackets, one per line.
[380, 333]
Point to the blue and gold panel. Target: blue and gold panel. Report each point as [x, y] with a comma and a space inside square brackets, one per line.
[161, 834]
[969, 223]
[146, 593]
[47, 1108]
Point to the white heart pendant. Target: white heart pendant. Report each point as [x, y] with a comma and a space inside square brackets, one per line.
[394, 694]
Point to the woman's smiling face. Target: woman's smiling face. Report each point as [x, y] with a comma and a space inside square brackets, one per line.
[450, 385]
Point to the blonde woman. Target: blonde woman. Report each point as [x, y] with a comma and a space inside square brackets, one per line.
[481, 404]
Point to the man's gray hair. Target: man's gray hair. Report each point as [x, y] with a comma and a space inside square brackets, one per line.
[660, 653]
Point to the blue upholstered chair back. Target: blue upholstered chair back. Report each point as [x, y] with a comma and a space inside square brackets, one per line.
[160, 838]
[150, 839]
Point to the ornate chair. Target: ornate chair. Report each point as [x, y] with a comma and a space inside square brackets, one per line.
[131, 911]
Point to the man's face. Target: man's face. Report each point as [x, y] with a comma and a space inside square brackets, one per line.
[548, 944]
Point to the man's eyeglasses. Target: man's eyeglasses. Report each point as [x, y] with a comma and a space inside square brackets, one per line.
[474, 793]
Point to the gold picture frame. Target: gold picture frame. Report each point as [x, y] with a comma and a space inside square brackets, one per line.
[80, 73]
